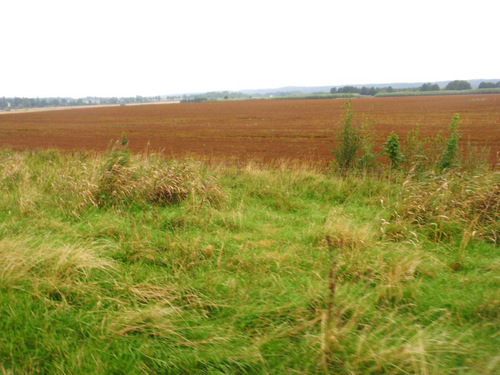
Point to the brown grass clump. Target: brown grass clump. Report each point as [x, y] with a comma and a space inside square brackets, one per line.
[56, 272]
[126, 179]
[380, 348]
[448, 204]
[152, 320]
[173, 183]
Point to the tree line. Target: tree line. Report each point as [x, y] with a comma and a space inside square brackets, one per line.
[18, 103]
[372, 91]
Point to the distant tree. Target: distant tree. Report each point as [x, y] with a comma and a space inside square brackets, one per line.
[498, 84]
[429, 87]
[372, 91]
[488, 85]
[333, 90]
[365, 90]
[349, 90]
[458, 85]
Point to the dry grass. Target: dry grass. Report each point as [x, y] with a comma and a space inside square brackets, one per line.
[162, 183]
[21, 260]
[442, 202]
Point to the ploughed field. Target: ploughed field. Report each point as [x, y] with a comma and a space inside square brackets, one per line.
[262, 130]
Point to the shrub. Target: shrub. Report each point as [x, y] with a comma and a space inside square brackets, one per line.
[413, 153]
[449, 155]
[348, 142]
[366, 161]
[392, 150]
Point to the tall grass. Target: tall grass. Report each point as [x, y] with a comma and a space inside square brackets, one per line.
[123, 263]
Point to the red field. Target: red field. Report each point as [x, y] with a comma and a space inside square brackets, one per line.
[262, 129]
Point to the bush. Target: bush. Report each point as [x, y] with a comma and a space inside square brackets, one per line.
[449, 155]
[392, 150]
[366, 161]
[413, 154]
[348, 142]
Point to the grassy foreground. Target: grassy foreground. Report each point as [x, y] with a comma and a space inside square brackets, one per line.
[133, 264]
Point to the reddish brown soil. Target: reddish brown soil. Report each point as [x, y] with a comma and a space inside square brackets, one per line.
[261, 130]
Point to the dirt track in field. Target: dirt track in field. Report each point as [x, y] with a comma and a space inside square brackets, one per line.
[263, 130]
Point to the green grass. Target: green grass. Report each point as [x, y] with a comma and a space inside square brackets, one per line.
[123, 263]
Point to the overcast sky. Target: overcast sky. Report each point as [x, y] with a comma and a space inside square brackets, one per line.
[126, 48]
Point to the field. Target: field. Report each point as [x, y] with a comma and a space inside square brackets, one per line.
[258, 130]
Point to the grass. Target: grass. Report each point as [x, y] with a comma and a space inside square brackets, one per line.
[123, 263]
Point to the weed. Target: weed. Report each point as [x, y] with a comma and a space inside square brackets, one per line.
[348, 142]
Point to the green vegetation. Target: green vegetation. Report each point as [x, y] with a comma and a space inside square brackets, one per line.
[319, 96]
[458, 85]
[360, 91]
[450, 152]
[24, 103]
[391, 148]
[353, 152]
[441, 92]
[348, 142]
[429, 87]
[125, 263]
[489, 85]
[282, 96]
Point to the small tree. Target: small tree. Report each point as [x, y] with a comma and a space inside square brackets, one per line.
[392, 149]
[348, 142]
[449, 154]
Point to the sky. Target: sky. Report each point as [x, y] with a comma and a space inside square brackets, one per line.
[107, 48]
